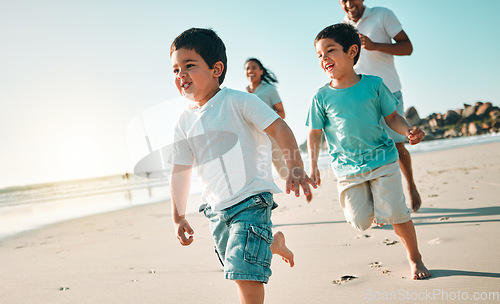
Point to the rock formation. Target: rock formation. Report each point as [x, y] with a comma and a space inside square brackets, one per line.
[476, 119]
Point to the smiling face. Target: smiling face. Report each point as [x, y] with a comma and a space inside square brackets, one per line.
[194, 79]
[336, 63]
[353, 8]
[253, 72]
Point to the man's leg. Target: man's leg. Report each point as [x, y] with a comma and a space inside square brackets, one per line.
[408, 237]
[250, 292]
[405, 164]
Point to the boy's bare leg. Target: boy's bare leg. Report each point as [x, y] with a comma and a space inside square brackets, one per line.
[378, 224]
[250, 292]
[405, 164]
[406, 233]
[279, 247]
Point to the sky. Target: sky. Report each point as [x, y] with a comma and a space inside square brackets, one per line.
[74, 74]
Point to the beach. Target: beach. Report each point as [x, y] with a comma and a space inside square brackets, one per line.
[133, 256]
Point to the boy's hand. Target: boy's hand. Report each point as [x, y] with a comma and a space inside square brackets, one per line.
[315, 176]
[297, 178]
[182, 227]
[415, 135]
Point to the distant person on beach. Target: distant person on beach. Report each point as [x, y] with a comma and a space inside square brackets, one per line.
[348, 111]
[223, 134]
[262, 84]
[378, 27]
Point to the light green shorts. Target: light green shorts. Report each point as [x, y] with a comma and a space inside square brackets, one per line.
[377, 194]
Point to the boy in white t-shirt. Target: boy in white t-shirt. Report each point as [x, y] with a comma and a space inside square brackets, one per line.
[223, 135]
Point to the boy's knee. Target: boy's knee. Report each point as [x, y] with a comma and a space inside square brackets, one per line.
[361, 224]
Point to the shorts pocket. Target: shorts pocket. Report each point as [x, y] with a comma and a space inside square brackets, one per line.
[258, 245]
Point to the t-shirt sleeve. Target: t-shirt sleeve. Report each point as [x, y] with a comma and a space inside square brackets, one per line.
[274, 97]
[316, 115]
[388, 102]
[181, 152]
[391, 23]
[257, 112]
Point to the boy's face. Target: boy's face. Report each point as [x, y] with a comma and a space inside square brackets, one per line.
[193, 78]
[332, 58]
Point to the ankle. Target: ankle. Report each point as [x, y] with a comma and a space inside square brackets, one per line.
[416, 259]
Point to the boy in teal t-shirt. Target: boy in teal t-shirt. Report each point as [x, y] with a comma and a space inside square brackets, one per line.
[348, 110]
[350, 119]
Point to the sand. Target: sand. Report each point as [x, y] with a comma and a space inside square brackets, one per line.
[132, 255]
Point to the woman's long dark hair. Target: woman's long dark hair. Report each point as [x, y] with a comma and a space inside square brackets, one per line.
[267, 76]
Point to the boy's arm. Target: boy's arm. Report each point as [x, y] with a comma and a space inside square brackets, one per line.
[180, 183]
[399, 124]
[313, 147]
[297, 177]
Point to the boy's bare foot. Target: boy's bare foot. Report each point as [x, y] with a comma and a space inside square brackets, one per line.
[419, 271]
[278, 247]
[416, 202]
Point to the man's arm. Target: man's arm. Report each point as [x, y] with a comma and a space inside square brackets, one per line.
[402, 47]
[313, 147]
[399, 124]
[180, 183]
[297, 177]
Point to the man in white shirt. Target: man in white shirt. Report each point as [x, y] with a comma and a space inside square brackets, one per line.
[378, 27]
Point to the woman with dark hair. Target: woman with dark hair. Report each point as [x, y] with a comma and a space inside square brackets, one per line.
[262, 84]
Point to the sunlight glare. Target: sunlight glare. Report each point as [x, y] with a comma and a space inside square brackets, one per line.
[79, 157]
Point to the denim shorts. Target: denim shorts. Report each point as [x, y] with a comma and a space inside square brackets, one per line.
[243, 237]
[400, 108]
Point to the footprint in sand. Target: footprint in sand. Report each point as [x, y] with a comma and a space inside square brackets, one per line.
[378, 266]
[344, 278]
[388, 242]
[363, 236]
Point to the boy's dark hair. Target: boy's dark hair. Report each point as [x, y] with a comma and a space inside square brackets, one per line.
[206, 43]
[344, 34]
[267, 76]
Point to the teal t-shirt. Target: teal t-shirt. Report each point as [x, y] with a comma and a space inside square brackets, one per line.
[350, 119]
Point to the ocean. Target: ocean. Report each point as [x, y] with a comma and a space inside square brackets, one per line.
[29, 207]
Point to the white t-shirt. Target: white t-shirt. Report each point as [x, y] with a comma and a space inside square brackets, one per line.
[268, 93]
[380, 25]
[225, 142]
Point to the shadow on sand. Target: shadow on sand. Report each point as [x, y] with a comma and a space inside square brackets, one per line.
[432, 216]
[310, 223]
[441, 273]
